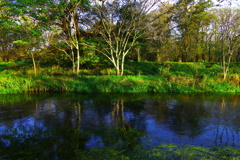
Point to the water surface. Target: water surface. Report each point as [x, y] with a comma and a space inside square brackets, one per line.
[58, 125]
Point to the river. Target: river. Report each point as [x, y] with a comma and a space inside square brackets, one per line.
[56, 125]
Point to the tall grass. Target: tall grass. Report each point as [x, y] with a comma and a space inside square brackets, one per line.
[107, 84]
[12, 84]
[143, 77]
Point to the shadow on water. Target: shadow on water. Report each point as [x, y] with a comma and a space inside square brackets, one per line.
[58, 126]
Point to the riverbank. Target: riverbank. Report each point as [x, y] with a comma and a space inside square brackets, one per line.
[168, 77]
[106, 84]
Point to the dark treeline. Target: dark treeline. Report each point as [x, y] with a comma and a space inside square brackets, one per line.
[91, 33]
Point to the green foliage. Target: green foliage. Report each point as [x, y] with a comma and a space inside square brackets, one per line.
[3, 65]
[11, 84]
[169, 77]
[28, 26]
[142, 68]
[20, 42]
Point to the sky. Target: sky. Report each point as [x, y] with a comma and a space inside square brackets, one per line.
[225, 3]
[229, 3]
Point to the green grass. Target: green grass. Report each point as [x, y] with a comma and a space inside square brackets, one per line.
[148, 77]
[116, 84]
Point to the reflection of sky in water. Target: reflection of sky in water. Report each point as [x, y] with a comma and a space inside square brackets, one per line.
[94, 141]
[156, 133]
[216, 131]
[23, 126]
[27, 124]
[213, 135]
[22, 129]
[171, 104]
[219, 136]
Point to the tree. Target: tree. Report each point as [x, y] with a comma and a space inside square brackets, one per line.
[116, 25]
[229, 34]
[8, 28]
[189, 16]
[60, 17]
[158, 36]
[67, 18]
[24, 27]
[33, 40]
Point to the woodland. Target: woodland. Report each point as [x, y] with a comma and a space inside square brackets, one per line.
[111, 37]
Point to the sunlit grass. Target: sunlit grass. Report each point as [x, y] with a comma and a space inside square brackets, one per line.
[143, 77]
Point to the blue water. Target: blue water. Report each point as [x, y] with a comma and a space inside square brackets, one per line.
[53, 123]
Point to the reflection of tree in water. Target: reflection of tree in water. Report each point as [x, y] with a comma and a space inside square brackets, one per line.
[61, 125]
[194, 116]
[49, 131]
[114, 122]
[117, 114]
[226, 136]
[183, 114]
[64, 119]
[228, 120]
[77, 121]
[201, 117]
[186, 118]
[229, 111]
[121, 135]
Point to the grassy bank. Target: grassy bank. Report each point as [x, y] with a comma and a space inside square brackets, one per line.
[98, 84]
[140, 77]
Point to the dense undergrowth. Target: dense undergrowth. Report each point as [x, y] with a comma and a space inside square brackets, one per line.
[139, 77]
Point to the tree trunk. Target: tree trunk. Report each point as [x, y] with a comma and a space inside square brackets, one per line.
[73, 61]
[138, 55]
[238, 55]
[184, 57]
[227, 67]
[209, 54]
[73, 67]
[34, 64]
[224, 66]
[122, 65]
[78, 59]
[117, 70]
